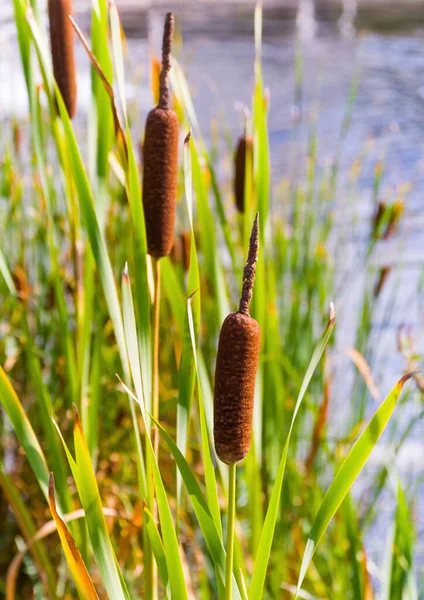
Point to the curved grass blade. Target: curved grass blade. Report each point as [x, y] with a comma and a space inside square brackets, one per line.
[158, 549]
[74, 559]
[173, 558]
[134, 360]
[201, 509]
[88, 492]
[24, 432]
[348, 472]
[170, 540]
[267, 535]
[187, 373]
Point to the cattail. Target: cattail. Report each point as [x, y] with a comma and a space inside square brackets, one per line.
[244, 151]
[62, 46]
[160, 158]
[394, 218]
[384, 274]
[236, 366]
[17, 138]
[185, 237]
[378, 217]
[180, 252]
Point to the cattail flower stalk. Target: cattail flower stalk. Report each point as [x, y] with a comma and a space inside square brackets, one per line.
[160, 161]
[235, 375]
[62, 48]
[243, 161]
[160, 178]
[236, 366]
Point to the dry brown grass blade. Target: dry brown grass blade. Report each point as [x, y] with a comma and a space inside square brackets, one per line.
[361, 364]
[319, 427]
[120, 136]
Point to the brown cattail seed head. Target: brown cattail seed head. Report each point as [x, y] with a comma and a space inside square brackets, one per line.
[244, 150]
[235, 374]
[160, 157]
[62, 47]
[180, 253]
[378, 216]
[384, 274]
[186, 245]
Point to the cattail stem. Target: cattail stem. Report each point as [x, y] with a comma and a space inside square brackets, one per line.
[250, 269]
[231, 516]
[155, 358]
[168, 33]
[231, 521]
[155, 405]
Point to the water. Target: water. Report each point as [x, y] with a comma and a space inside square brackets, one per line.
[387, 120]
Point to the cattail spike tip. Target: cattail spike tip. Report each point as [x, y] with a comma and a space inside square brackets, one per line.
[250, 268]
[168, 34]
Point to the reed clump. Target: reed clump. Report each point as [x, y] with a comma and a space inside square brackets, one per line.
[62, 48]
[160, 161]
[244, 150]
[236, 367]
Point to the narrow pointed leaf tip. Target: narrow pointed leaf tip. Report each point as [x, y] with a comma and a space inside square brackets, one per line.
[332, 314]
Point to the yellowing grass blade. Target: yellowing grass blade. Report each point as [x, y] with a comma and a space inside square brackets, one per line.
[348, 472]
[77, 567]
[88, 491]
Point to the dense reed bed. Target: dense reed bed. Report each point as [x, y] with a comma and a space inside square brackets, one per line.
[129, 387]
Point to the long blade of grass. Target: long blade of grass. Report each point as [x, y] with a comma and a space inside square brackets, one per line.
[400, 575]
[24, 432]
[201, 509]
[134, 359]
[54, 451]
[170, 540]
[100, 123]
[158, 549]
[88, 492]
[85, 195]
[348, 472]
[74, 559]
[187, 373]
[24, 21]
[173, 558]
[267, 535]
[5, 273]
[133, 188]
